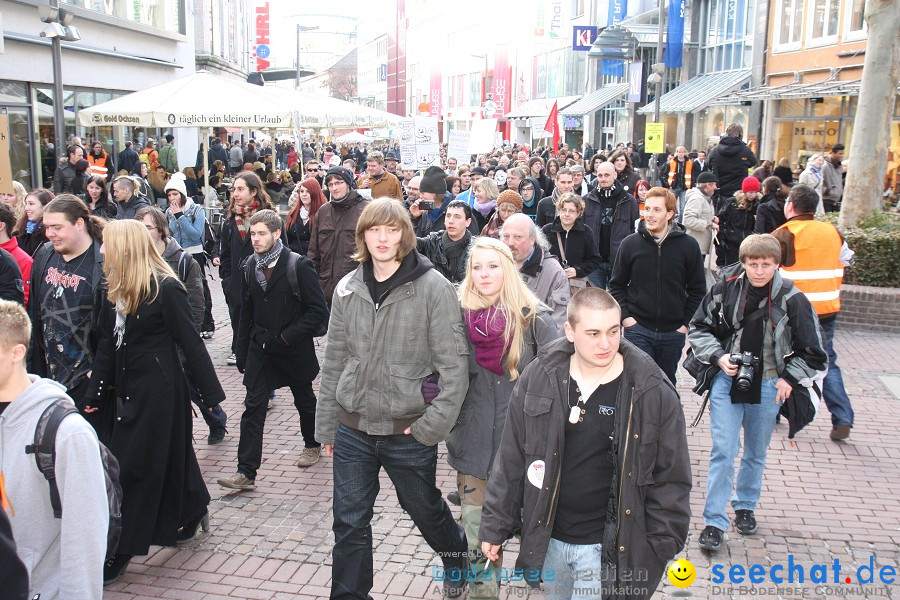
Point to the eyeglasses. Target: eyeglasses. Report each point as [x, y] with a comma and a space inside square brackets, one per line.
[313, 170]
[151, 227]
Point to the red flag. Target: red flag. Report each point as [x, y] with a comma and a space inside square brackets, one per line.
[552, 126]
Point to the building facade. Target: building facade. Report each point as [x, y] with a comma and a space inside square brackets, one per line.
[124, 47]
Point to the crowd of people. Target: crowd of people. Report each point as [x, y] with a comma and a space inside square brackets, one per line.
[529, 308]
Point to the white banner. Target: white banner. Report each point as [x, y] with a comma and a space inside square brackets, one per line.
[481, 138]
[458, 146]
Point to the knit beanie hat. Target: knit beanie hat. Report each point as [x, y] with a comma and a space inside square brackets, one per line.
[342, 172]
[176, 182]
[750, 184]
[512, 197]
[434, 181]
[708, 177]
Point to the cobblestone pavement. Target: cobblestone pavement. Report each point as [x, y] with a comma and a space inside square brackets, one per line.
[821, 501]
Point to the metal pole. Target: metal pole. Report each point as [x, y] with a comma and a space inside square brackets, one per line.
[659, 86]
[59, 128]
[297, 83]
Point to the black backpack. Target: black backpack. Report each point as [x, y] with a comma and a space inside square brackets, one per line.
[293, 259]
[44, 450]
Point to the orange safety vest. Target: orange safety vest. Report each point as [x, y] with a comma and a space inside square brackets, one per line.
[99, 166]
[688, 170]
[817, 270]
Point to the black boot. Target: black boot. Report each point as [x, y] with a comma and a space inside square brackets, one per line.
[114, 567]
[189, 532]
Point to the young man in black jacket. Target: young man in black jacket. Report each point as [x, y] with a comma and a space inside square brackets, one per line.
[658, 281]
[730, 160]
[593, 464]
[275, 342]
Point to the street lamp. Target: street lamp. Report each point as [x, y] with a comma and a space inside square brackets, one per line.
[59, 29]
[299, 29]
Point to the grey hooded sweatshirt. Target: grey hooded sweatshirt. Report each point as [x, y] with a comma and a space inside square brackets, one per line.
[64, 557]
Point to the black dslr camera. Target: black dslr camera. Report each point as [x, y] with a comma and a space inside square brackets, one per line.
[746, 362]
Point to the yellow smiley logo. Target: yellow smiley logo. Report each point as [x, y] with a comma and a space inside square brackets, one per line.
[682, 573]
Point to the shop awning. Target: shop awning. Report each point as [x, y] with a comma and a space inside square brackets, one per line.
[539, 108]
[596, 100]
[828, 87]
[698, 92]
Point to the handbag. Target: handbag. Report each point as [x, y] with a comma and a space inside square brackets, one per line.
[575, 283]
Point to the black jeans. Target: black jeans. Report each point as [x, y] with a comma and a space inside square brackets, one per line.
[358, 458]
[254, 420]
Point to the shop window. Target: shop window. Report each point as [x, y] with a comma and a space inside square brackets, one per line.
[830, 106]
[789, 13]
[12, 92]
[855, 20]
[823, 22]
[794, 107]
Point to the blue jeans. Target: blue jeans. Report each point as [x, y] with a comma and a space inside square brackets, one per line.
[600, 277]
[358, 458]
[725, 421]
[680, 195]
[833, 391]
[572, 571]
[664, 347]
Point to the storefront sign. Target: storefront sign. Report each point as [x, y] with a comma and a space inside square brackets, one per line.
[6, 186]
[550, 16]
[583, 37]
[654, 134]
[501, 86]
[635, 81]
[434, 97]
[262, 51]
[573, 122]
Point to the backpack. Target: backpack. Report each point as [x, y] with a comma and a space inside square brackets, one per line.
[44, 450]
[293, 259]
[183, 266]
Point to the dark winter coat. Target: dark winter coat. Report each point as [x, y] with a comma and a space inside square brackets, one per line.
[769, 214]
[31, 242]
[63, 178]
[735, 224]
[731, 161]
[625, 215]
[629, 181]
[648, 515]
[233, 249]
[128, 210]
[784, 174]
[128, 160]
[275, 336]
[432, 247]
[579, 243]
[297, 236]
[162, 486]
[217, 152]
[483, 413]
[192, 280]
[12, 286]
[659, 285]
[332, 242]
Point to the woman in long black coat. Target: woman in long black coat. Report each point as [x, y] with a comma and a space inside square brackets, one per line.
[164, 496]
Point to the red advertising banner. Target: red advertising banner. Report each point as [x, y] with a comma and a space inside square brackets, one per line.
[500, 90]
[435, 95]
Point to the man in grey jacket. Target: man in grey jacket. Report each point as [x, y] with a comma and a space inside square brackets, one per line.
[541, 271]
[833, 179]
[64, 556]
[395, 321]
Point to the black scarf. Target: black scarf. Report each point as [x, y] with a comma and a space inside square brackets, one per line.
[454, 250]
[753, 334]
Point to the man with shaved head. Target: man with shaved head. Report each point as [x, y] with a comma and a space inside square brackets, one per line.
[611, 213]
